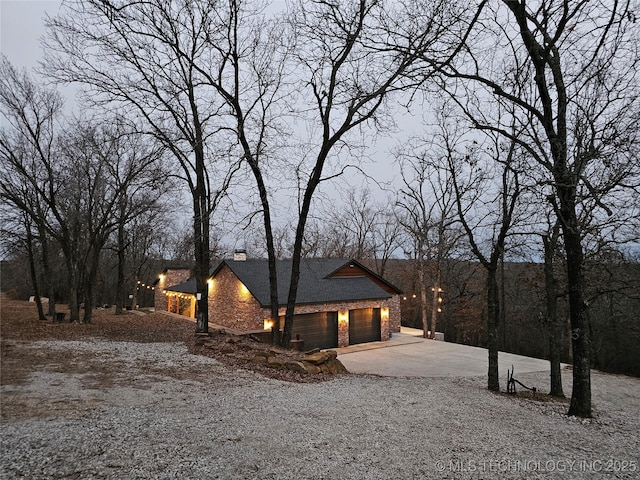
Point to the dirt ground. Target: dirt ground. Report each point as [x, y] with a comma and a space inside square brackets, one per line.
[132, 396]
[19, 327]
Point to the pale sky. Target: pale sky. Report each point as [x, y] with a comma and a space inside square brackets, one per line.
[21, 25]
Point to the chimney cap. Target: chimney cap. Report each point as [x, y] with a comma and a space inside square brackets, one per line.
[240, 255]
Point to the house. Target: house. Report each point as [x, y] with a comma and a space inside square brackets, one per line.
[340, 302]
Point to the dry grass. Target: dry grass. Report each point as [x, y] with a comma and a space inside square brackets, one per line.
[19, 322]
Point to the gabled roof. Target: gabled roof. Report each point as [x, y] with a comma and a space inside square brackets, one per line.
[317, 283]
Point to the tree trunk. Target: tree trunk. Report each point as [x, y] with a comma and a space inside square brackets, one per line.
[503, 305]
[90, 280]
[554, 327]
[74, 307]
[201, 229]
[46, 270]
[88, 302]
[33, 273]
[493, 316]
[120, 293]
[276, 337]
[295, 270]
[566, 183]
[423, 298]
[580, 341]
[436, 303]
[312, 184]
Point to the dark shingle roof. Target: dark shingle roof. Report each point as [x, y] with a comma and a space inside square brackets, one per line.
[188, 286]
[314, 286]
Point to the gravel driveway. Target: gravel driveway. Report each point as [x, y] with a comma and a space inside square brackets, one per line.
[105, 409]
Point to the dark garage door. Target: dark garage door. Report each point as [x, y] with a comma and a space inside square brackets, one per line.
[364, 325]
[318, 330]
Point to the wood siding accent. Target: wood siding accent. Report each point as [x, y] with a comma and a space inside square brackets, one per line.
[357, 271]
[364, 325]
[318, 330]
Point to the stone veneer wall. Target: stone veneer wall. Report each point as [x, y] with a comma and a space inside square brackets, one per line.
[167, 279]
[231, 305]
[394, 314]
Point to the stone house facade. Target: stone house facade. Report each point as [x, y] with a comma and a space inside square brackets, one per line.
[339, 302]
[174, 301]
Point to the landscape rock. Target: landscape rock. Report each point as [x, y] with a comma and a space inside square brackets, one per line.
[311, 368]
[259, 359]
[275, 362]
[335, 366]
[237, 347]
[295, 366]
[320, 357]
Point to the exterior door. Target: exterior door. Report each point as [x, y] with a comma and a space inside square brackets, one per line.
[364, 325]
[318, 330]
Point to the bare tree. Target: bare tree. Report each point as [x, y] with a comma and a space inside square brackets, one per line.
[141, 179]
[27, 150]
[487, 181]
[351, 57]
[67, 183]
[554, 323]
[94, 172]
[568, 70]
[17, 234]
[247, 69]
[359, 227]
[429, 217]
[141, 58]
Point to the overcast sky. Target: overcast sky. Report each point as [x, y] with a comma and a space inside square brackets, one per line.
[21, 25]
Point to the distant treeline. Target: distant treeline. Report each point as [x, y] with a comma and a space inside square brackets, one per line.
[613, 297]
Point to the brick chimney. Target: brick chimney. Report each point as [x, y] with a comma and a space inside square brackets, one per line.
[240, 255]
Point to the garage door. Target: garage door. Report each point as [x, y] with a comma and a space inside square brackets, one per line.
[318, 330]
[364, 325]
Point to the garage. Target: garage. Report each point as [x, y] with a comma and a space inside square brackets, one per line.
[364, 325]
[318, 330]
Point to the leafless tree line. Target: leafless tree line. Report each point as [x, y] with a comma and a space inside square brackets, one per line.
[78, 183]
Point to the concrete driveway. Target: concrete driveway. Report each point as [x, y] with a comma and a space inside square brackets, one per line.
[407, 354]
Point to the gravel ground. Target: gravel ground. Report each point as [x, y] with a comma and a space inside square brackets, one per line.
[154, 411]
[106, 408]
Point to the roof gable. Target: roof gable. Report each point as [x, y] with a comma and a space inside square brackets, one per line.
[353, 268]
